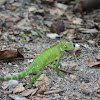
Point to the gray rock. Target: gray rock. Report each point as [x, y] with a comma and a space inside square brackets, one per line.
[12, 84]
[2, 2]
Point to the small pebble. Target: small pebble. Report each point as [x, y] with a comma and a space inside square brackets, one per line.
[12, 84]
[52, 35]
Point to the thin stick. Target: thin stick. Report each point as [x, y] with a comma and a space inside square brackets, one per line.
[54, 91]
[15, 59]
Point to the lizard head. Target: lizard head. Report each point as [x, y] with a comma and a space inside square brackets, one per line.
[67, 47]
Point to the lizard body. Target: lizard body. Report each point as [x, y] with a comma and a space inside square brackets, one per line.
[49, 55]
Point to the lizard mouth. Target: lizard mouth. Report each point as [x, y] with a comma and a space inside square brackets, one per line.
[69, 51]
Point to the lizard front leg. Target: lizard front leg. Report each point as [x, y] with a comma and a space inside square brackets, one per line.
[56, 66]
[57, 69]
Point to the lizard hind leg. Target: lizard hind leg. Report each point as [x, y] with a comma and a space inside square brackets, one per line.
[57, 69]
[53, 66]
[35, 77]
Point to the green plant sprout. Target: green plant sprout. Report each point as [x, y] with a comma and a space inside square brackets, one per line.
[40, 29]
[24, 37]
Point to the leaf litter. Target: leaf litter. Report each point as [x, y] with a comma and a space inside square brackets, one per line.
[35, 19]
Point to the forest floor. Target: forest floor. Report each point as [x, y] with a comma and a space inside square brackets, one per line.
[35, 26]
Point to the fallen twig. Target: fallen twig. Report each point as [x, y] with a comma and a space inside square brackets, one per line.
[54, 91]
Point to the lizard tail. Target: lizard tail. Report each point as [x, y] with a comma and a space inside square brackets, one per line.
[17, 76]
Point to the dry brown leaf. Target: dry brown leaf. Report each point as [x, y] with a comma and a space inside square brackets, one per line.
[42, 90]
[61, 6]
[19, 88]
[17, 4]
[9, 24]
[17, 97]
[43, 83]
[11, 53]
[12, 8]
[84, 85]
[29, 91]
[92, 64]
[56, 12]
[97, 58]
[77, 21]
[67, 68]
[34, 91]
[78, 52]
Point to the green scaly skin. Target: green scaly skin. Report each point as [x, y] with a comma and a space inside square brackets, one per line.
[49, 55]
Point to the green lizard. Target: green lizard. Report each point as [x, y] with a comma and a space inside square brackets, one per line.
[49, 55]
